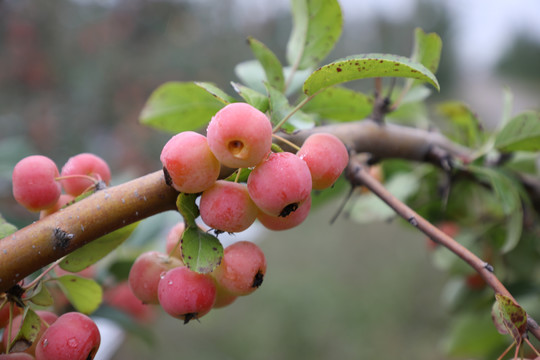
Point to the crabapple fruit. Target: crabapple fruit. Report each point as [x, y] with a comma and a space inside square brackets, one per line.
[242, 268]
[326, 157]
[239, 135]
[223, 297]
[46, 317]
[172, 246]
[227, 206]
[122, 298]
[284, 223]
[34, 183]
[73, 336]
[280, 184]
[146, 272]
[63, 200]
[79, 168]
[188, 163]
[186, 294]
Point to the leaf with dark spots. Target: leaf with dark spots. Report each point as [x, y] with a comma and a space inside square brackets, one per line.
[28, 332]
[202, 251]
[509, 317]
[376, 65]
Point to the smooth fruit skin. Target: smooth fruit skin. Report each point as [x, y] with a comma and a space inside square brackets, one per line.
[63, 200]
[73, 336]
[280, 184]
[186, 294]
[242, 268]
[34, 184]
[227, 206]
[84, 164]
[277, 223]
[326, 157]
[189, 163]
[239, 135]
[146, 272]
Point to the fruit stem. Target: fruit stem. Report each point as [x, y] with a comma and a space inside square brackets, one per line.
[293, 111]
[290, 143]
[238, 172]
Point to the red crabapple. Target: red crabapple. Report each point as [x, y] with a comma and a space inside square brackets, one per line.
[242, 268]
[73, 336]
[46, 317]
[240, 135]
[146, 272]
[78, 168]
[188, 162]
[280, 184]
[122, 298]
[34, 183]
[172, 246]
[288, 222]
[186, 294]
[326, 157]
[227, 206]
[63, 200]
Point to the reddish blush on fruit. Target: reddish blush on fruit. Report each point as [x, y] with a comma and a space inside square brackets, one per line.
[242, 268]
[240, 135]
[280, 184]
[189, 165]
[326, 157]
[122, 298]
[73, 336]
[80, 168]
[34, 183]
[227, 206]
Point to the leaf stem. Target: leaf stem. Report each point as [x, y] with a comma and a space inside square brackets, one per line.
[293, 111]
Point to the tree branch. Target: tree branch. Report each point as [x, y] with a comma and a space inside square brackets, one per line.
[58, 234]
[358, 175]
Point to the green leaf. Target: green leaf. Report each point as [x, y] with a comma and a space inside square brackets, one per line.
[340, 104]
[509, 317]
[522, 133]
[367, 66]
[179, 106]
[213, 90]
[507, 191]
[252, 97]
[28, 332]
[90, 253]
[270, 63]
[185, 203]
[427, 49]
[6, 228]
[84, 294]
[280, 108]
[41, 296]
[463, 120]
[202, 251]
[317, 25]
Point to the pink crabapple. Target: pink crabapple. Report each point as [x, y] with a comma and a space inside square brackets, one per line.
[78, 168]
[34, 183]
[186, 294]
[188, 163]
[122, 298]
[73, 336]
[239, 135]
[280, 184]
[227, 206]
[242, 268]
[146, 272]
[326, 157]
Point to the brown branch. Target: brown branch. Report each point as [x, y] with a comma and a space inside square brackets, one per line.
[56, 235]
[358, 175]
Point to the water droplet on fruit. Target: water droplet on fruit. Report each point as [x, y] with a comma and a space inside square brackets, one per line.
[72, 342]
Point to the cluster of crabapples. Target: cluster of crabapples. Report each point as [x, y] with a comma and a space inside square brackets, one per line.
[277, 193]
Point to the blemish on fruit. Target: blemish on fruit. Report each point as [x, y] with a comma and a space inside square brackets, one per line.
[258, 279]
[287, 210]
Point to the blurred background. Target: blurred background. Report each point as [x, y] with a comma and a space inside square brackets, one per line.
[74, 76]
